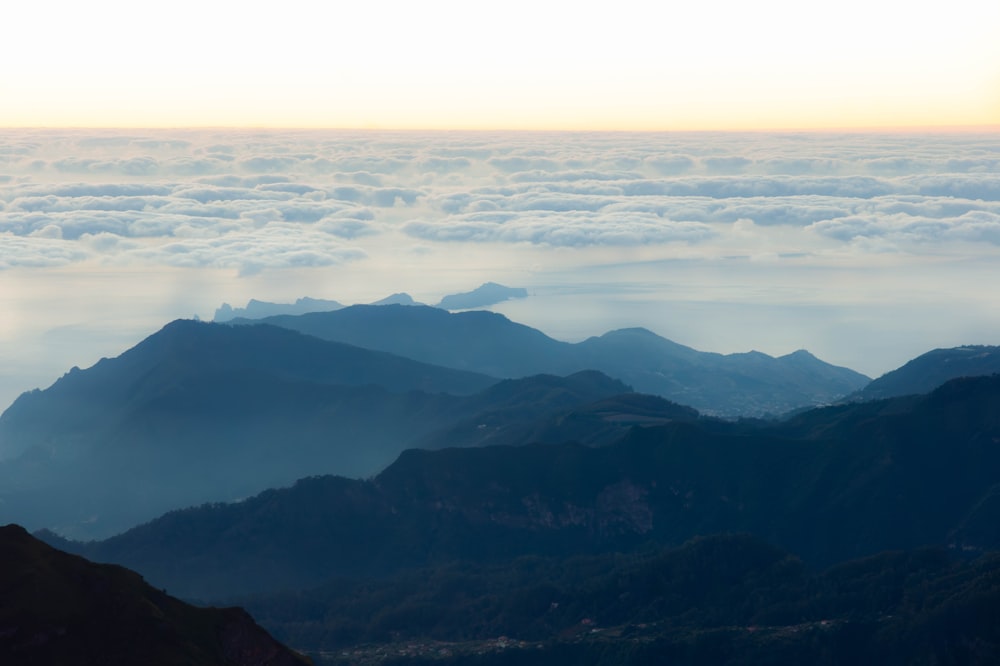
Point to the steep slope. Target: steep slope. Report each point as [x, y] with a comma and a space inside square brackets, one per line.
[728, 385]
[837, 483]
[201, 413]
[61, 609]
[930, 370]
[184, 348]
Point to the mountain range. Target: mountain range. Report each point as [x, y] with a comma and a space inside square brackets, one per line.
[206, 412]
[829, 485]
[511, 503]
[748, 384]
[485, 295]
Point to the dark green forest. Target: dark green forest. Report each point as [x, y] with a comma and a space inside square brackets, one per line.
[715, 600]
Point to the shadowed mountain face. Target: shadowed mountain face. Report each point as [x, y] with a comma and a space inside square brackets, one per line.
[204, 412]
[60, 609]
[832, 484]
[729, 385]
[517, 421]
[930, 370]
[173, 359]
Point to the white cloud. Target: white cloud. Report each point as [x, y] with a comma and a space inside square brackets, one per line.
[520, 163]
[106, 243]
[973, 226]
[571, 175]
[670, 165]
[105, 189]
[566, 229]
[38, 252]
[272, 247]
[544, 190]
[966, 186]
[347, 228]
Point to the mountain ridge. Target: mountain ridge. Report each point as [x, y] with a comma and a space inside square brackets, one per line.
[726, 385]
[932, 369]
[835, 484]
[208, 412]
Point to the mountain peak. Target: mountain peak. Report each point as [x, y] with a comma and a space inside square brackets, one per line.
[801, 356]
[932, 369]
[399, 298]
[632, 330]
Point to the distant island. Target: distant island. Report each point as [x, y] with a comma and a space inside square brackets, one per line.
[486, 294]
[489, 293]
[259, 309]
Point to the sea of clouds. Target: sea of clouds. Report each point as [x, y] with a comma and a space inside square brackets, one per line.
[264, 200]
[774, 219]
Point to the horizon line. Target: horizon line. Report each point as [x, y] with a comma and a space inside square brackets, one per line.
[834, 129]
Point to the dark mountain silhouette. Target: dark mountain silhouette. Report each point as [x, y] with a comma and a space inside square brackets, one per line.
[207, 412]
[183, 352]
[57, 608]
[186, 347]
[489, 293]
[928, 371]
[729, 385]
[830, 485]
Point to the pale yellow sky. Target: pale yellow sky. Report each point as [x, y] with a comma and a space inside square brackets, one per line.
[520, 64]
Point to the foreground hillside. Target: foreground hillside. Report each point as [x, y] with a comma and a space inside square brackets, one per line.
[831, 485]
[748, 384]
[59, 609]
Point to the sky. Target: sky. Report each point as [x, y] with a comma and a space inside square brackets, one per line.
[539, 64]
[731, 175]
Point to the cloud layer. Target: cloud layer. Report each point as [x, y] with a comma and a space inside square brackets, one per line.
[256, 201]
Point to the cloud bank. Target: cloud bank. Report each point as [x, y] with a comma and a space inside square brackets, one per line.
[256, 201]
